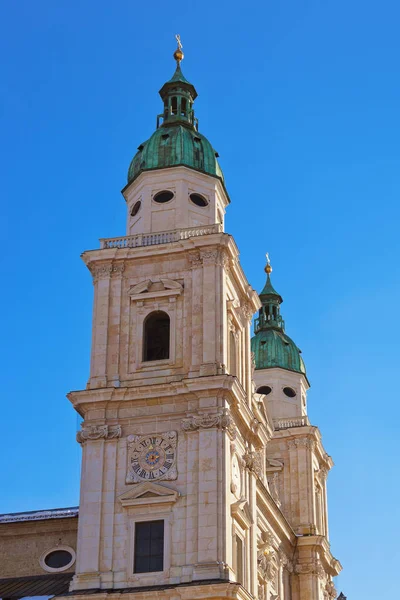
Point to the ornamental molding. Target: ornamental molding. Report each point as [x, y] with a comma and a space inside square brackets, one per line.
[330, 592]
[253, 461]
[209, 421]
[106, 271]
[194, 259]
[302, 442]
[268, 567]
[314, 567]
[149, 289]
[98, 432]
[209, 257]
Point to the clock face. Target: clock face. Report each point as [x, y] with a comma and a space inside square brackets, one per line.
[152, 457]
[236, 485]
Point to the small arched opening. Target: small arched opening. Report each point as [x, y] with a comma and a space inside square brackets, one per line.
[156, 336]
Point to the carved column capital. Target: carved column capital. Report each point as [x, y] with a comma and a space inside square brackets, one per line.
[98, 432]
[194, 259]
[208, 421]
[105, 271]
[252, 460]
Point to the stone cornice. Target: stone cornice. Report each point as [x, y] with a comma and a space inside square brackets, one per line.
[318, 544]
[309, 436]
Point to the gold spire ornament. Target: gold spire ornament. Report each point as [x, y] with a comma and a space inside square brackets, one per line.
[268, 268]
[178, 54]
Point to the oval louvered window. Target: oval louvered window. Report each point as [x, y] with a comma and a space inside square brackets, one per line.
[264, 389]
[57, 559]
[164, 196]
[136, 208]
[289, 392]
[198, 200]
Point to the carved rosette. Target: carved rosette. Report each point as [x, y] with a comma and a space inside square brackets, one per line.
[208, 421]
[98, 432]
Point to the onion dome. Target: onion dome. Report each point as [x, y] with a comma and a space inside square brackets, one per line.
[271, 346]
[176, 140]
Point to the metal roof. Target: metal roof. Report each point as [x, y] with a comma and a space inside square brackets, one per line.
[40, 515]
[40, 585]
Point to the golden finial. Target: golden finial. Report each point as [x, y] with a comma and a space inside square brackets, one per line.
[178, 54]
[268, 268]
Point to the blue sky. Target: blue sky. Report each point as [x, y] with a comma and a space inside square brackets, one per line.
[301, 100]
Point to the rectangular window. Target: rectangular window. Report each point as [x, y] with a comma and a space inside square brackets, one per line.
[239, 560]
[149, 547]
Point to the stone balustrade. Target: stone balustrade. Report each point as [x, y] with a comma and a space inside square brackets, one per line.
[291, 422]
[160, 237]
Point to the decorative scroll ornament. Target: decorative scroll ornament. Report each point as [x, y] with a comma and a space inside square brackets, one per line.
[313, 567]
[105, 271]
[152, 457]
[253, 461]
[302, 442]
[330, 592]
[209, 256]
[267, 566]
[98, 432]
[208, 421]
[194, 259]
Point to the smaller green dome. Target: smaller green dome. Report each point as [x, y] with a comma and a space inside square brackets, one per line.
[270, 344]
[273, 348]
[173, 146]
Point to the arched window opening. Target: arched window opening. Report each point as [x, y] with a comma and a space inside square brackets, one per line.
[232, 354]
[183, 107]
[174, 105]
[156, 334]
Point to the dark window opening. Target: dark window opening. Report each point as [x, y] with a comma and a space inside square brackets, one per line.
[136, 208]
[264, 389]
[174, 106]
[198, 200]
[156, 336]
[183, 107]
[149, 547]
[289, 392]
[239, 559]
[164, 196]
[58, 559]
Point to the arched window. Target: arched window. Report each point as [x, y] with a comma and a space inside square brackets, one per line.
[156, 336]
[174, 106]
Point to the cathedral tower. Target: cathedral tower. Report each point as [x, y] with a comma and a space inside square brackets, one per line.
[193, 485]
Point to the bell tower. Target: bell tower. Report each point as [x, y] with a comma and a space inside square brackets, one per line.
[179, 497]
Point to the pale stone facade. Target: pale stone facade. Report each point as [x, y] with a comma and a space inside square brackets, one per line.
[248, 482]
[241, 489]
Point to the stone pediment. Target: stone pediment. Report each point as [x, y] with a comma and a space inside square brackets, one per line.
[155, 289]
[149, 493]
[241, 512]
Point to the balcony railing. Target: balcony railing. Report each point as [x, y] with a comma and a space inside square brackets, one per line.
[161, 237]
[291, 422]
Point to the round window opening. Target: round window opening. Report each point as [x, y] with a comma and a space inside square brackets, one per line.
[136, 208]
[289, 392]
[264, 389]
[198, 200]
[164, 196]
[58, 559]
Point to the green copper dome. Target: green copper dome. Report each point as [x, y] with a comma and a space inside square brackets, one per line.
[176, 140]
[173, 146]
[270, 344]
